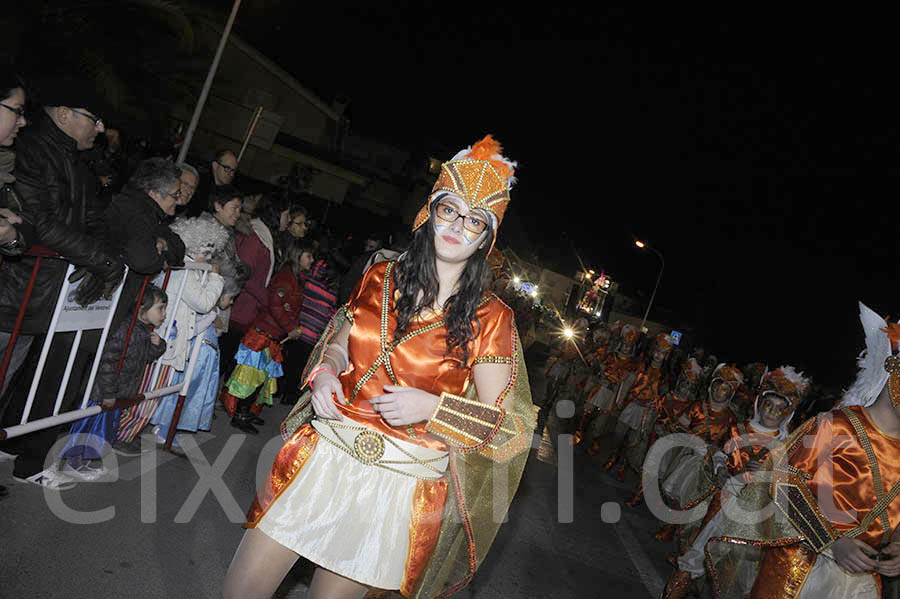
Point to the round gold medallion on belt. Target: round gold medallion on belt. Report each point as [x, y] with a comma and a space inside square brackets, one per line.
[368, 447]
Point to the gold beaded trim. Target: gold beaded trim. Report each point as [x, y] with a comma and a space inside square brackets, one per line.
[378, 462]
[493, 360]
[473, 419]
[873, 465]
[368, 447]
[388, 347]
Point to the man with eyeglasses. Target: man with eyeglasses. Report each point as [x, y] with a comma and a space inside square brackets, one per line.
[222, 168]
[57, 187]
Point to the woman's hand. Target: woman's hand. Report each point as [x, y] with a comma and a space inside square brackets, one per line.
[404, 405]
[324, 386]
[853, 555]
[890, 567]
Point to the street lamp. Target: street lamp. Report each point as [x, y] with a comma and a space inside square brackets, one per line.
[662, 260]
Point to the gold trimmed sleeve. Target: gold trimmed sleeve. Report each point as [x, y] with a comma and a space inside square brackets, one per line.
[465, 424]
[791, 493]
[492, 360]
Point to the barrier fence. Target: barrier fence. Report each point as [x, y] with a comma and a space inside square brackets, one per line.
[68, 317]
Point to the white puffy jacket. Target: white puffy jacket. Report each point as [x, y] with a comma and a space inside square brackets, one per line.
[196, 299]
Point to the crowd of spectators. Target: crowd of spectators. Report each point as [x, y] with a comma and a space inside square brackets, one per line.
[270, 274]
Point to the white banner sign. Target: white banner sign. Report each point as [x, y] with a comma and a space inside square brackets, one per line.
[74, 317]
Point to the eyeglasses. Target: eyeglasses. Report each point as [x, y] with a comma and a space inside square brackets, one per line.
[225, 167]
[19, 112]
[97, 120]
[449, 214]
[176, 195]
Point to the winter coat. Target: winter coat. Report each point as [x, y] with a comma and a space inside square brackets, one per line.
[127, 381]
[196, 299]
[282, 314]
[59, 192]
[254, 296]
[134, 221]
[319, 302]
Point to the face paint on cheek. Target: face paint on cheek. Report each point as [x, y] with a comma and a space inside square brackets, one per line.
[472, 238]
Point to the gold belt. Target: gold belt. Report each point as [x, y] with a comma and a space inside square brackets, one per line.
[373, 448]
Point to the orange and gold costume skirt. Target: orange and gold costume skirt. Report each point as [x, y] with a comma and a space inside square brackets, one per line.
[355, 501]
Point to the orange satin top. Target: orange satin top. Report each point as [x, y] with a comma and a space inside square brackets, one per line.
[850, 478]
[646, 387]
[752, 445]
[417, 362]
[617, 367]
[708, 424]
[670, 407]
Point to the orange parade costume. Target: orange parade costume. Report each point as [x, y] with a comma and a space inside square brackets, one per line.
[411, 498]
[837, 476]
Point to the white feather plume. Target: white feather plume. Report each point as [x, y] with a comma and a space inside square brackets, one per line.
[872, 376]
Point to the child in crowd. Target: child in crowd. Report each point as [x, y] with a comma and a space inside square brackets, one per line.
[259, 356]
[193, 316]
[88, 437]
[197, 413]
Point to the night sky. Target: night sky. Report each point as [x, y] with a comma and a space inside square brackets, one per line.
[758, 155]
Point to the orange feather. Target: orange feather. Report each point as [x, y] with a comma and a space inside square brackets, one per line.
[893, 332]
[486, 149]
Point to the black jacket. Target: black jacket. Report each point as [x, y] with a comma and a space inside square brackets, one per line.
[127, 381]
[59, 192]
[134, 221]
[9, 199]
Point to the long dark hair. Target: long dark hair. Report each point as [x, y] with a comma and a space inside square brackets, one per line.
[417, 273]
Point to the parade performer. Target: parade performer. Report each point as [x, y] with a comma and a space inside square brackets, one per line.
[710, 419]
[677, 401]
[744, 401]
[597, 362]
[619, 373]
[569, 400]
[638, 418]
[745, 451]
[421, 397]
[835, 485]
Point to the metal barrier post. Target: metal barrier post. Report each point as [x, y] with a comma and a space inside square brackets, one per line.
[46, 349]
[137, 309]
[7, 357]
[96, 365]
[188, 374]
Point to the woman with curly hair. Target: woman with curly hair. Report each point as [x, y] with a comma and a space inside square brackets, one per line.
[421, 366]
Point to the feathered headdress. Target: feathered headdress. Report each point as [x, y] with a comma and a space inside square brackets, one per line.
[664, 343]
[200, 235]
[728, 373]
[787, 382]
[630, 334]
[691, 369]
[480, 176]
[872, 376]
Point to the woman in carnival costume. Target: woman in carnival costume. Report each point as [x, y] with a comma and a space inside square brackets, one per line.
[834, 486]
[420, 397]
[748, 445]
[637, 420]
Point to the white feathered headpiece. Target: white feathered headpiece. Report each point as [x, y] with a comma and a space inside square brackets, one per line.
[872, 376]
[200, 235]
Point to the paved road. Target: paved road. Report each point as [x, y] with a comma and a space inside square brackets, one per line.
[173, 541]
